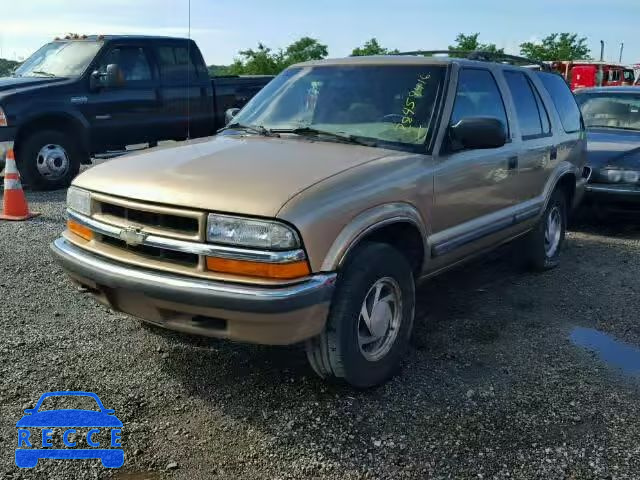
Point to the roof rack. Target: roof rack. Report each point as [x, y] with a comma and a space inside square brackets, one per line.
[483, 56]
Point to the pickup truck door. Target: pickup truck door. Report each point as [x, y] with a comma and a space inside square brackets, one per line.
[127, 114]
[186, 90]
[539, 151]
[475, 190]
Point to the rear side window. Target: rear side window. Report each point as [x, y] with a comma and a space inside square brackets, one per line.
[176, 64]
[478, 96]
[532, 116]
[563, 100]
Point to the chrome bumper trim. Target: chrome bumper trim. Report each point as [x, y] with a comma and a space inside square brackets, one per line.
[207, 293]
[622, 190]
[195, 248]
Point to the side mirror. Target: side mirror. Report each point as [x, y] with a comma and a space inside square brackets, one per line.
[230, 114]
[478, 133]
[113, 77]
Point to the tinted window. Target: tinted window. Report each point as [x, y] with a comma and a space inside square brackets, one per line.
[478, 96]
[131, 60]
[563, 100]
[176, 64]
[526, 104]
[542, 110]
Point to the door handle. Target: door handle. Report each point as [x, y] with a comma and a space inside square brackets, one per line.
[512, 163]
[554, 153]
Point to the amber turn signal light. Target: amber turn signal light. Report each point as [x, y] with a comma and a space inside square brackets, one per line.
[80, 230]
[278, 271]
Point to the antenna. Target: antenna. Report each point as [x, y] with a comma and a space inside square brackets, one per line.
[621, 50]
[189, 77]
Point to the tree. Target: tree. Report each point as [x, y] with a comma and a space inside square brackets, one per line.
[304, 50]
[262, 61]
[557, 46]
[371, 47]
[265, 61]
[7, 66]
[470, 43]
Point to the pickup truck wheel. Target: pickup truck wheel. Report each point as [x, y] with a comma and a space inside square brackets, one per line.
[48, 160]
[545, 242]
[370, 320]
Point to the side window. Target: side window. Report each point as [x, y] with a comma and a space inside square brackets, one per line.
[176, 64]
[526, 103]
[563, 100]
[478, 95]
[132, 61]
[542, 110]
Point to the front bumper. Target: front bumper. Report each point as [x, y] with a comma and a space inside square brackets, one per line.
[623, 198]
[258, 314]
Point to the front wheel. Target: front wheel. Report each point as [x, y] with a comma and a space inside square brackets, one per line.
[370, 320]
[48, 160]
[544, 243]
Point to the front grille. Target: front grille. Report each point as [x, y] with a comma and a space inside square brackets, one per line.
[178, 224]
[154, 253]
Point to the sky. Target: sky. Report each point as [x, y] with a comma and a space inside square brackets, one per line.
[223, 27]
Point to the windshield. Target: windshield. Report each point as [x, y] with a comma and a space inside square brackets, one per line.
[389, 104]
[59, 59]
[610, 110]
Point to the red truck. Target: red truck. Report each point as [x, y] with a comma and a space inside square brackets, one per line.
[585, 73]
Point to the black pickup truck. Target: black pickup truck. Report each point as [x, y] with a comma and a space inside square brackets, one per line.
[80, 96]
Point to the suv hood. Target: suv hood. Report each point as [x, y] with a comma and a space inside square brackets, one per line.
[248, 175]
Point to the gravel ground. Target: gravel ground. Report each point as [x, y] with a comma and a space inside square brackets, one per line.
[492, 387]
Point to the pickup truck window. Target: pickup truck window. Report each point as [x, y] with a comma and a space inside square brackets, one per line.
[132, 61]
[478, 96]
[176, 63]
[60, 59]
[392, 104]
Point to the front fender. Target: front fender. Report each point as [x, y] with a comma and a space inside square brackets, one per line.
[366, 223]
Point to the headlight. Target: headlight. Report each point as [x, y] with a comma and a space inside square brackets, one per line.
[79, 200]
[246, 232]
[612, 175]
[3, 118]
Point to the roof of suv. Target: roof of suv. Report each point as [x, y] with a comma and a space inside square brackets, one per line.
[400, 60]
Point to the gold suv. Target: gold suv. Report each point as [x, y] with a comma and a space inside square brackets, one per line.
[314, 213]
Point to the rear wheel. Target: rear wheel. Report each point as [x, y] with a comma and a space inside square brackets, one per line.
[544, 243]
[48, 160]
[370, 321]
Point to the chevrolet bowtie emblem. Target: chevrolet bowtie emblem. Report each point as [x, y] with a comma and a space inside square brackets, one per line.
[132, 236]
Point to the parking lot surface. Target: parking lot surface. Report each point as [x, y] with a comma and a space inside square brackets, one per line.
[496, 385]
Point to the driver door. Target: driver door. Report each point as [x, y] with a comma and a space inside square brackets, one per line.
[125, 115]
[475, 190]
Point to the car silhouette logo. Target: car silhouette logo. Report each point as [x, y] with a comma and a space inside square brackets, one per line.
[97, 422]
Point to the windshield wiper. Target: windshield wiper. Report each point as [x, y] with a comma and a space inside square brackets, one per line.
[44, 74]
[613, 127]
[315, 131]
[257, 129]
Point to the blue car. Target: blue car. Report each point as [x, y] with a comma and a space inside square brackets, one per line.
[612, 118]
[68, 418]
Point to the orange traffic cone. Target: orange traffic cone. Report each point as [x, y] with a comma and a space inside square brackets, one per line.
[15, 203]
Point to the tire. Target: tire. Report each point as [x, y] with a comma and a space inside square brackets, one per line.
[48, 150]
[540, 254]
[337, 353]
